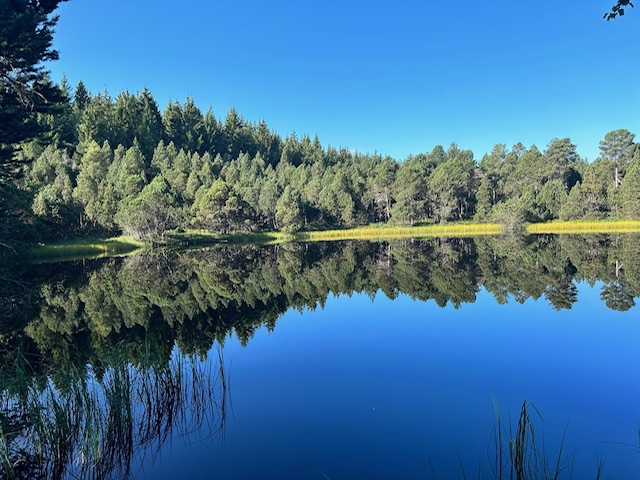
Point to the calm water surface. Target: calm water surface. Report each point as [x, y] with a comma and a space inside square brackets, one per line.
[403, 388]
[327, 376]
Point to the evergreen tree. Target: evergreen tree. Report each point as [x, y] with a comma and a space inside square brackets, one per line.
[452, 186]
[220, 209]
[550, 199]
[150, 214]
[289, 211]
[618, 148]
[193, 123]
[630, 190]
[26, 35]
[573, 208]
[91, 184]
[381, 189]
[150, 129]
[561, 159]
[97, 121]
[411, 193]
[81, 97]
[597, 183]
[174, 129]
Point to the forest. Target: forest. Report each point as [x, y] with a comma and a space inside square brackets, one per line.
[121, 165]
[77, 163]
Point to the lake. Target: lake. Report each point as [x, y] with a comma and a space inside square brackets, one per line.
[403, 359]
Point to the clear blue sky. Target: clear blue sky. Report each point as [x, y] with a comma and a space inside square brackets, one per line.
[393, 77]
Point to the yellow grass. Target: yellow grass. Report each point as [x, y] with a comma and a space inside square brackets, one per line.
[603, 226]
[384, 233]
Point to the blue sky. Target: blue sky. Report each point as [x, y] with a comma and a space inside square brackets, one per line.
[393, 77]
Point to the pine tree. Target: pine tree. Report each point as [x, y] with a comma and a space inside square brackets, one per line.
[618, 148]
[26, 35]
[630, 190]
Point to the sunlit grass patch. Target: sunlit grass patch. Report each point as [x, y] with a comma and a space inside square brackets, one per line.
[84, 248]
[204, 237]
[384, 232]
[601, 226]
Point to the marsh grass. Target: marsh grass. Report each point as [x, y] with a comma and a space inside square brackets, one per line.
[373, 232]
[393, 232]
[97, 248]
[618, 226]
[518, 452]
[92, 425]
[84, 248]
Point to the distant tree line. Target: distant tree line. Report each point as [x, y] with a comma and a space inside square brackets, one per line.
[121, 165]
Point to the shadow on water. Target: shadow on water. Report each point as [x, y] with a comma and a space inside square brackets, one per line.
[98, 422]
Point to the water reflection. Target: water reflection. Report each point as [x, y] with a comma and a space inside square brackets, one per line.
[102, 359]
[74, 313]
[99, 421]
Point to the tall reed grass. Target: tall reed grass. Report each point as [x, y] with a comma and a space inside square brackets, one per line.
[92, 425]
[519, 452]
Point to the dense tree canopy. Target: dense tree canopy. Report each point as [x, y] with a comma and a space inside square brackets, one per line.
[128, 167]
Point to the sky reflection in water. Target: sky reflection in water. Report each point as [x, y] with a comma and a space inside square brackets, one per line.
[406, 389]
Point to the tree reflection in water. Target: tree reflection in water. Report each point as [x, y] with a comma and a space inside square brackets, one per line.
[103, 360]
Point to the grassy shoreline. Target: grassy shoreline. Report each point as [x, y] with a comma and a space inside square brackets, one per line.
[84, 248]
[199, 237]
[392, 232]
[585, 226]
[99, 247]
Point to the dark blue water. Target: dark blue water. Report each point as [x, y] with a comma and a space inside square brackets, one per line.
[407, 389]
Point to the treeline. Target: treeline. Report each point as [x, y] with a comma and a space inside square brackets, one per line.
[121, 165]
[88, 312]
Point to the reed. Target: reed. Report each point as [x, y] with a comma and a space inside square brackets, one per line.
[520, 454]
[92, 426]
[603, 226]
[394, 232]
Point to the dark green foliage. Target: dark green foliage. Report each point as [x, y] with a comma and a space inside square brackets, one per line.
[220, 209]
[288, 215]
[81, 97]
[110, 150]
[452, 186]
[26, 34]
[618, 148]
[410, 191]
[574, 207]
[618, 9]
[630, 190]
[149, 215]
